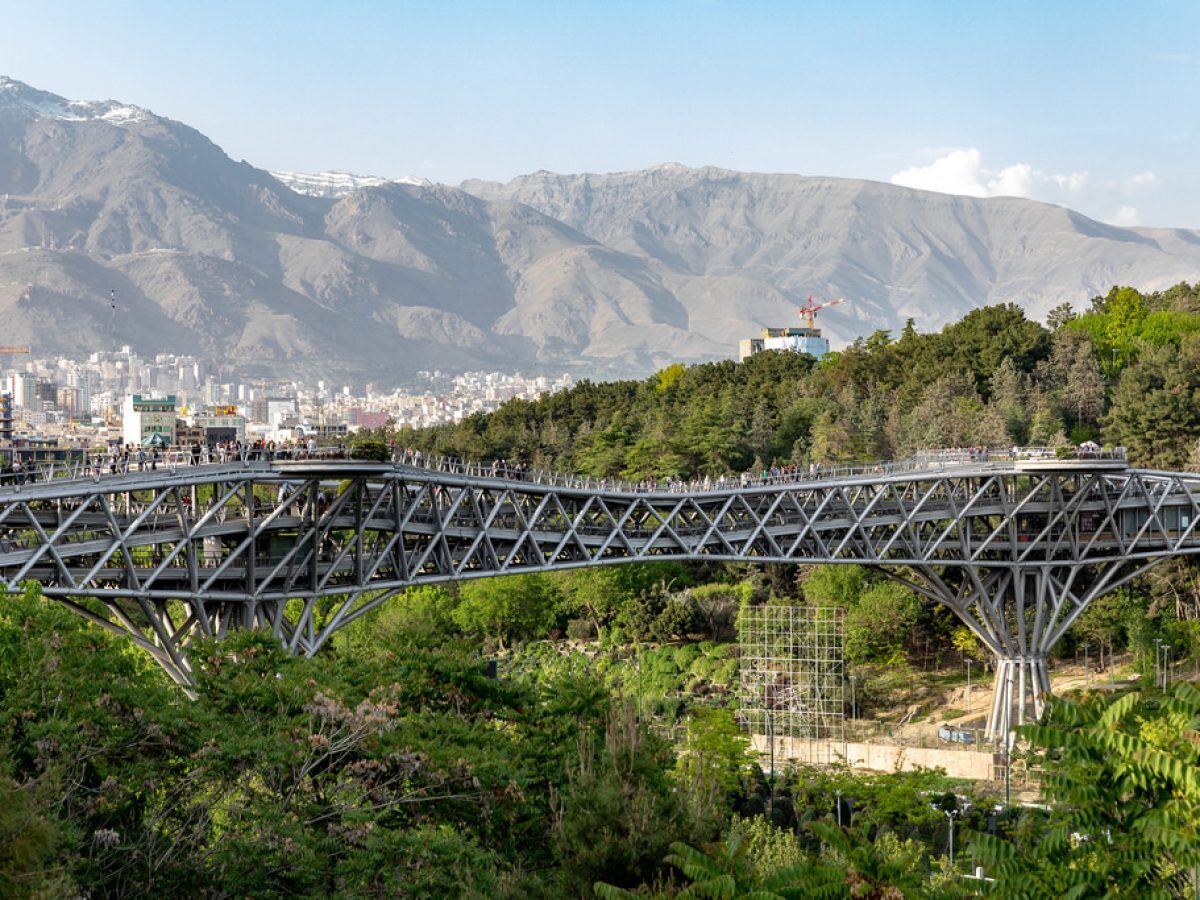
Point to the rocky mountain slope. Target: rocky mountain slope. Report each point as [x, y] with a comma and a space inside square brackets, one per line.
[759, 243]
[600, 274]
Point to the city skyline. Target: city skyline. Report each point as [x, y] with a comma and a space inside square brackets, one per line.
[1070, 104]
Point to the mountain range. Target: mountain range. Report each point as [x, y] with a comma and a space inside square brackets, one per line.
[367, 278]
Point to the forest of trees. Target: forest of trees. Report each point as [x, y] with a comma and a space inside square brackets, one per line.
[606, 758]
[391, 765]
[1125, 373]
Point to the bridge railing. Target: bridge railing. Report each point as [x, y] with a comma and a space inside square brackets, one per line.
[925, 461]
[94, 465]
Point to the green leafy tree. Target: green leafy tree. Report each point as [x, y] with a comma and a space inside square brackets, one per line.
[27, 844]
[509, 607]
[1124, 778]
[1125, 311]
[856, 863]
[1156, 406]
[879, 614]
[878, 623]
[616, 814]
[839, 586]
[714, 757]
[424, 613]
[1009, 390]
[1084, 390]
[1060, 316]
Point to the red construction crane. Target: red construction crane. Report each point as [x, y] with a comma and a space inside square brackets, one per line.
[808, 312]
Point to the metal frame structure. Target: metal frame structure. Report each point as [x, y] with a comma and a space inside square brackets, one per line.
[792, 682]
[302, 548]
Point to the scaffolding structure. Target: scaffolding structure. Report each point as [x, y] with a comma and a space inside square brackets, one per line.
[792, 690]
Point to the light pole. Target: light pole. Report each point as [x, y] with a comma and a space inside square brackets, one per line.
[1157, 651]
[968, 685]
[771, 740]
[638, 648]
[1007, 724]
[950, 814]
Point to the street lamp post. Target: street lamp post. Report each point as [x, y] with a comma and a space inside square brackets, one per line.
[950, 817]
[968, 686]
[638, 650]
[1007, 724]
[853, 699]
[1157, 652]
[771, 740]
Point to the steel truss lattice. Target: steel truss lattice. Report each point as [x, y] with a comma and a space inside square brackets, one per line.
[303, 548]
[792, 688]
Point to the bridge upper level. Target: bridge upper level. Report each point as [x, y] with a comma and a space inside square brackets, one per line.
[95, 466]
[161, 532]
[1017, 544]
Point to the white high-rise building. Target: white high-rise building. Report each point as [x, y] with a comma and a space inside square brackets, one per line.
[86, 381]
[23, 388]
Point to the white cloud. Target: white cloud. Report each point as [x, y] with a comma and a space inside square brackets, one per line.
[1072, 183]
[1125, 217]
[962, 171]
[1013, 181]
[1142, 181]
[958, 172]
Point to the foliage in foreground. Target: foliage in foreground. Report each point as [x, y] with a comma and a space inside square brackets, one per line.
[403, 771]
[1124, 778]
[397, 769]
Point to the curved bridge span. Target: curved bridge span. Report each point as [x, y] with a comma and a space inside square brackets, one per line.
[302, 548]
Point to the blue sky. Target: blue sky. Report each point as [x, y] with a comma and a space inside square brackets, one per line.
[1092, 105]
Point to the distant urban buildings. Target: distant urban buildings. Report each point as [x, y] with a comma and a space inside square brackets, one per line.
[6, 419]
[147, 420]
[120, 398]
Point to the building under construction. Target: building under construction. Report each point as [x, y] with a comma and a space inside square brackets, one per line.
[806, 339]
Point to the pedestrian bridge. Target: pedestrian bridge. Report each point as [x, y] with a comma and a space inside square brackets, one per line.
[1016, 544]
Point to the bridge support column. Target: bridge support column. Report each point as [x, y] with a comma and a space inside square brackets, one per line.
[1019, 613]
[1019, 693]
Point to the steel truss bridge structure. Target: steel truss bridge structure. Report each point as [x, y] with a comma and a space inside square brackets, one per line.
[302, 548]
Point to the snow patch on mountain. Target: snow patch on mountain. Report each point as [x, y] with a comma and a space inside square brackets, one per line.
[20, 100]
[336, 184]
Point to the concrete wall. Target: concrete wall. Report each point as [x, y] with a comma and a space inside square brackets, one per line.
[973, 764]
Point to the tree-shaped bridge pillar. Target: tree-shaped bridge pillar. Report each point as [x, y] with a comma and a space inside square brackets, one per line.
[1019, 613]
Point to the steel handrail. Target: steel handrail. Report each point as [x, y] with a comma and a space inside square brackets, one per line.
[96, 465]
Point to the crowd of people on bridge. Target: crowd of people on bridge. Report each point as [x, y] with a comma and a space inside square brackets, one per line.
[122, 460]
[128, 458]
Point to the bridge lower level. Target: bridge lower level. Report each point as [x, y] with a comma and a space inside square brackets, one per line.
[303, 548]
